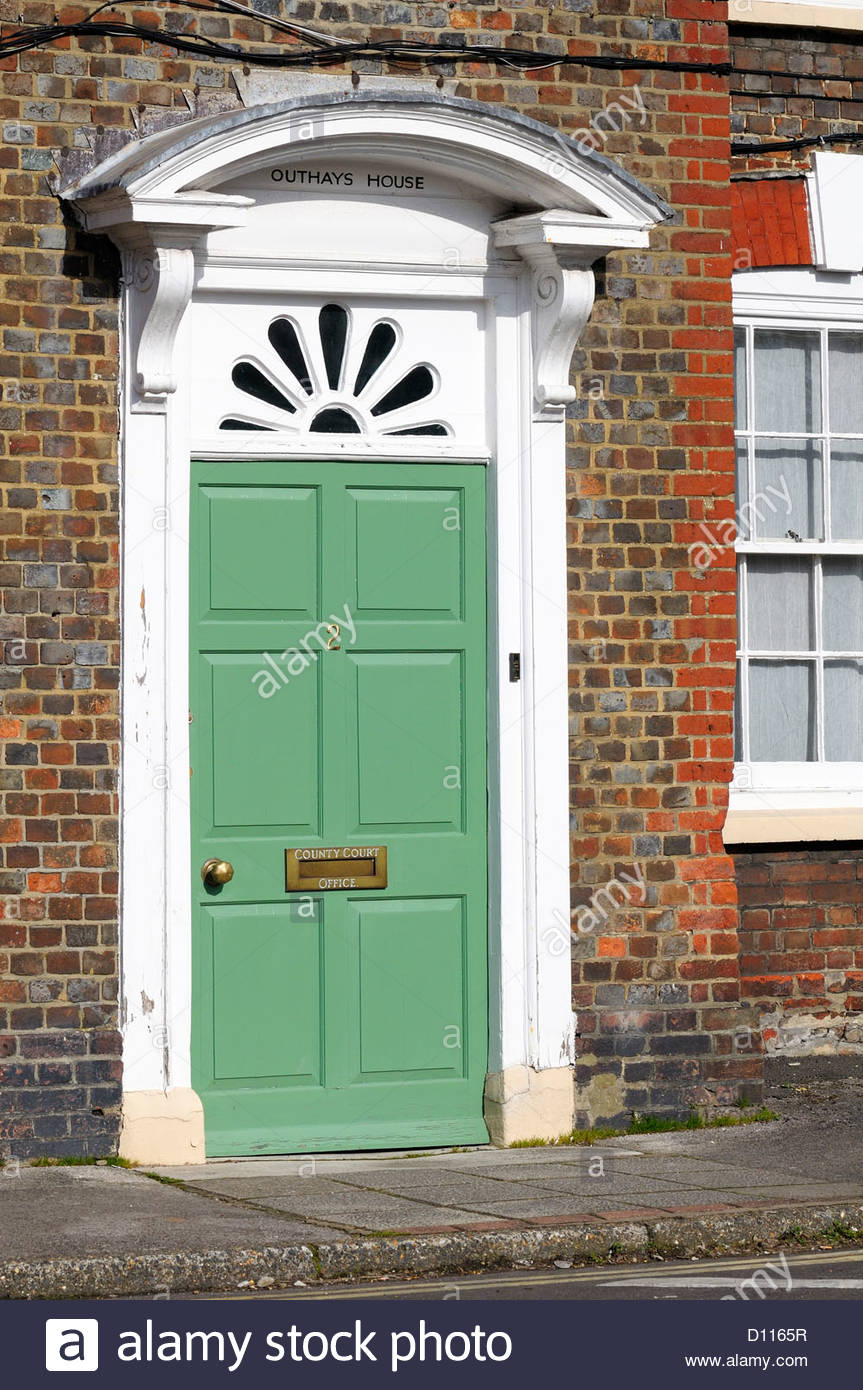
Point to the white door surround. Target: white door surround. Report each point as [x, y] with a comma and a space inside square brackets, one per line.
[471, 232]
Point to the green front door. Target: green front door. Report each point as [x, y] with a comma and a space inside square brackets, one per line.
[338, 701]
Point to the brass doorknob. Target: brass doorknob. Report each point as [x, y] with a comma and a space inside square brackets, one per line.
[215, 872]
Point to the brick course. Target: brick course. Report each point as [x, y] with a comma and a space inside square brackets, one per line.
[801, 947]
[652, 638]
[807, 85]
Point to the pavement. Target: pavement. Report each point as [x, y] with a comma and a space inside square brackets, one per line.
[82, 1232]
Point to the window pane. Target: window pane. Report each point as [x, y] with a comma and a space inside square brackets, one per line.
[843, 605]
[843, 711]
[779, 603]
[781, 711]
[845, 370]
[787, 381]
[788, 491]
[740, 412]
[846, 491]
[741, 489]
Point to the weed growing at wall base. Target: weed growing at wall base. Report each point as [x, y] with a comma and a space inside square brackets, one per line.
[649, 1124]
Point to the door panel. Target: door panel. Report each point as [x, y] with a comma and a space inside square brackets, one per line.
[411, 957]
[263, 969]
[279, 526]
[348, 1018]
[260, 776]
[408, 739]
[408, 559]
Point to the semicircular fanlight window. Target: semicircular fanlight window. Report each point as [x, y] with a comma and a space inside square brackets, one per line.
[314, 405]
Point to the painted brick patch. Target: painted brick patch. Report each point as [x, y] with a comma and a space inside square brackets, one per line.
[770, 223]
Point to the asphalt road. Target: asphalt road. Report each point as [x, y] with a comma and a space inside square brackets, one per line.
[813, 1275]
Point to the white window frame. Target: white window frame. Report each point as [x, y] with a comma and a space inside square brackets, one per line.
[788, 802]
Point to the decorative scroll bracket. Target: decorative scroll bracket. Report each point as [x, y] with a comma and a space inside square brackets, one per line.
[561, 248]
[158, 239]
[562, 300]
[159, 280]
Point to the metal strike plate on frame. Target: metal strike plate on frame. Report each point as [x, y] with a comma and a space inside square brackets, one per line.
[345, 867]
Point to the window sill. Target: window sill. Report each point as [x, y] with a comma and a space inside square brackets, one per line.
[782, 815]
[800, 15]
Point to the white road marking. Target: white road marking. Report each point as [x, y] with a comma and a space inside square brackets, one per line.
[713, 1281]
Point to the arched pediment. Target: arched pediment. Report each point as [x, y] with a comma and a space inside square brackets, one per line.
[221, 185]
[497, 151]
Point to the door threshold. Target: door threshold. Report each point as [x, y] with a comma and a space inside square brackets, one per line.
[350, 1155]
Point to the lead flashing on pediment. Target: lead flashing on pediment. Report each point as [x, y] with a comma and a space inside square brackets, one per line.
[137, 167]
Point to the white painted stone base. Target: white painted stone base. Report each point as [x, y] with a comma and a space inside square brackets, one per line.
[163, 1127]
[521, 1103]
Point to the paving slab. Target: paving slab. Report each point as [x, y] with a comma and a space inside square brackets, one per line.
[258, 1189]
[467, 1190]
[561, 1208]
[384, 1214]
[399, 1192]
[687, 1169]
[80, 1212]
[587, 1182]
[804, 1149]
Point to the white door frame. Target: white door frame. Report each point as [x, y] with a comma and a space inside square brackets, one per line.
[160, 203]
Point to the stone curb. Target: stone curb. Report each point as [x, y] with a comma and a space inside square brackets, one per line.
[448, 1252]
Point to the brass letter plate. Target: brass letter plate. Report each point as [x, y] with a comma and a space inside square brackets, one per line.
[316, 870]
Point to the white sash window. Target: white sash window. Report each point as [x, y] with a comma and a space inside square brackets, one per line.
[798, 529]
[800, 545]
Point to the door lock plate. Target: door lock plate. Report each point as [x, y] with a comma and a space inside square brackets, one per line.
[317, 870]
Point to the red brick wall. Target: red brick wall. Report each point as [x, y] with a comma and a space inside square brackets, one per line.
[59, 1073]
[800, 908]
[801, 944]
[656, 986]
[789, 84]
[652, 638]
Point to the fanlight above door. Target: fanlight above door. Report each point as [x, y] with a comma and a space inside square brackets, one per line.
[340, 383]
